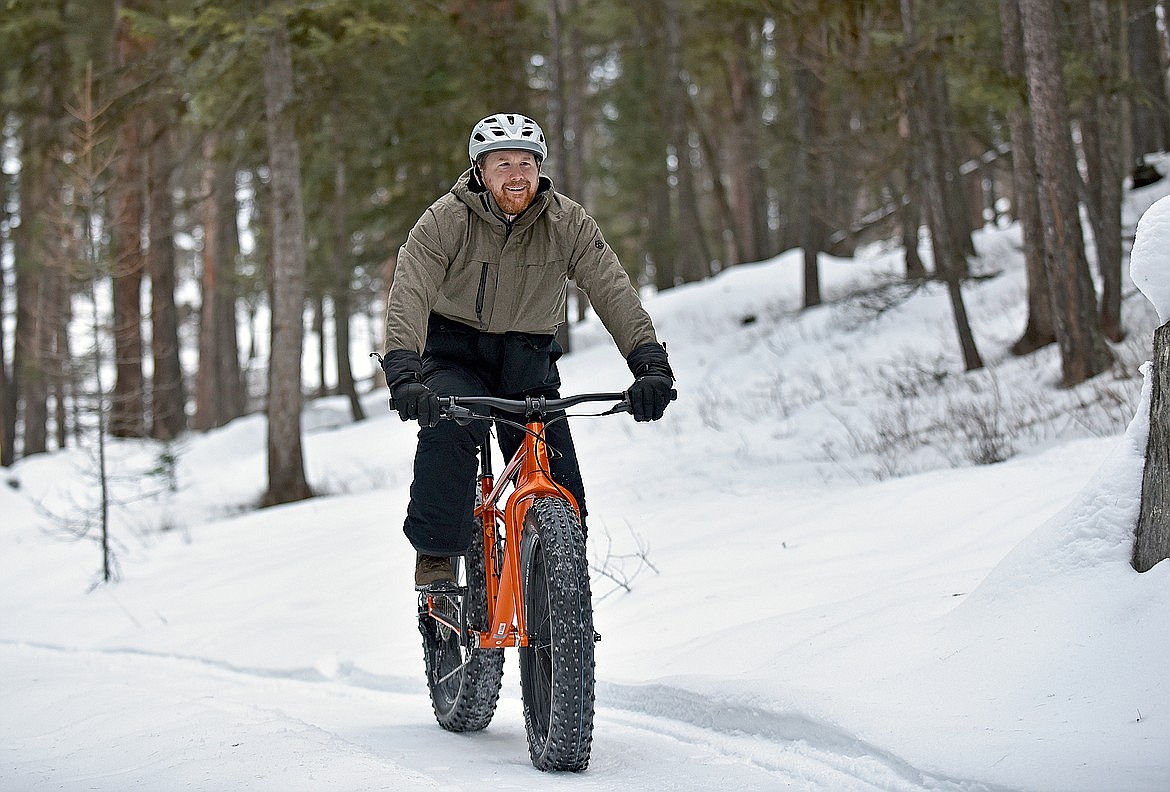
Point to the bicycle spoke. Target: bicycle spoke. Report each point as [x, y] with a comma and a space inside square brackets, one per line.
[464, 683]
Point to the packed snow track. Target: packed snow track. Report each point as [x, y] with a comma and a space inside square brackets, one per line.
[151, 721]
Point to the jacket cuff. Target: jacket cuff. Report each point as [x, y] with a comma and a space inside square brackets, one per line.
[649, 358]
[402, 365]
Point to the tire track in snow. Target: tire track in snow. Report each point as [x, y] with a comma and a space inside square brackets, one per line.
[646, 737]
[789, 744]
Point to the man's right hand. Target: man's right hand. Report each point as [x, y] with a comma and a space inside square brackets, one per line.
[415, 402]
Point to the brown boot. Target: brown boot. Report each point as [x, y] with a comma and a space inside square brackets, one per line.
[431, 572]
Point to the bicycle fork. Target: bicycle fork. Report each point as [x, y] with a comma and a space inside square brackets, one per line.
[505, 605]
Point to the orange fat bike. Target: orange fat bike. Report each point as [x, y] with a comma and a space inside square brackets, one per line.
[523, 583]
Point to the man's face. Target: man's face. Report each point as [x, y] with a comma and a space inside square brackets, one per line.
[511, 176]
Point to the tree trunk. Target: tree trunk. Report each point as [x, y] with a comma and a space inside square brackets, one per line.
[1083, 350]
[33, 334]
[286, 469]
[7, 392]
[168, 395]
[729, 248]
[957, 206]
[318, 331]
[1150, 117]
[748, 193]
[8, 199]
[1100, 132]
[693, 258]
[910, 217]
[1152, 537]
[218, 387]
[565, 127]
[661, 234]
[127, 404]
[1038, 329]
[810, 125]
[923, 111]
[61, 380]
[340, 292]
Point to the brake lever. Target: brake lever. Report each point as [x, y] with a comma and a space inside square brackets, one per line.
[460, 415]
[624, 404]
[621, 407]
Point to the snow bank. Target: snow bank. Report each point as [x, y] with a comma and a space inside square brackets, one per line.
[1149, 264]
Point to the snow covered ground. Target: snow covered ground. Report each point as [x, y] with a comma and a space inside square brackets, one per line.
[825, 593]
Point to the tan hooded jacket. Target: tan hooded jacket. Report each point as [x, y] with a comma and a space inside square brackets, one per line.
[464, 262]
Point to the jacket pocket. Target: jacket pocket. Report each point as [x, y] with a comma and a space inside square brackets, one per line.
[538, 299]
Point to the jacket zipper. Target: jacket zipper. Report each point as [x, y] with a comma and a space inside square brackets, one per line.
[483, 276]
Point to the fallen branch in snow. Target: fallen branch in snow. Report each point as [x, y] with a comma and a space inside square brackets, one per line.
[622, 568]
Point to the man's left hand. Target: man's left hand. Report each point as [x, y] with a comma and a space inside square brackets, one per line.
[649, 396]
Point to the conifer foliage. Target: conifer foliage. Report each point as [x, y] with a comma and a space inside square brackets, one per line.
[268, 159]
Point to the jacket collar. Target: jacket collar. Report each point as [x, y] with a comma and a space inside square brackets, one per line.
[472, 192]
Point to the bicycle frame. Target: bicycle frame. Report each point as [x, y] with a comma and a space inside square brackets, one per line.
[528, 473]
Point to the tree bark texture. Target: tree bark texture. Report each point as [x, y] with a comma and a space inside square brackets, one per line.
[748, 194]
[1083, 350]
[286, 470]
[1100, 131]
[7, 392]
[661, 235]
[954, 214]
[218, 385]
[127, 403]
[1150, 117]
[207, 413]
[808, 95]
[1152, 537]
[910, 216]
[168, 394]
[950, 263]
[340, 292]
[1038, 328]
[692, 258]
[568, 129]
[34, 300]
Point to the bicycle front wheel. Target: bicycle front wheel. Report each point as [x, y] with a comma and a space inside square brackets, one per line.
[557, 666]
[464, 683]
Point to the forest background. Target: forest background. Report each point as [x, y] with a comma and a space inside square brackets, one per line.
[181, 177]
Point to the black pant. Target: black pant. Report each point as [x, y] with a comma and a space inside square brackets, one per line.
[461, 361]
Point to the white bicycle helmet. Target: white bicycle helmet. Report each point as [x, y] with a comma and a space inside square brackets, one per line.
[506, 131]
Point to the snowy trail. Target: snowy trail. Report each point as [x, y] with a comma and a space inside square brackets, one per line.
[797, 621]
[231, 728]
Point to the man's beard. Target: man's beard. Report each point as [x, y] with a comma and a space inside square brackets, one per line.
[514, 203]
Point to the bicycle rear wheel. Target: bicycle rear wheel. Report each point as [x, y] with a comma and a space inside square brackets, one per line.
[464, 683]
[557, 666]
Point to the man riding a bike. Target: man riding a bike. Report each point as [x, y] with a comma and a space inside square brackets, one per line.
[479, 290]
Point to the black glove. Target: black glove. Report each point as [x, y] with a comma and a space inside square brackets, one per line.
[650, 392]
[415, 402]
[649, 396]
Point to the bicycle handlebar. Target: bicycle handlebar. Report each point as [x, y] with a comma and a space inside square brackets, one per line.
[455, 406]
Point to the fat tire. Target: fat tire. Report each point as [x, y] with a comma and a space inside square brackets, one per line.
[467, 700]
[557, 666]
